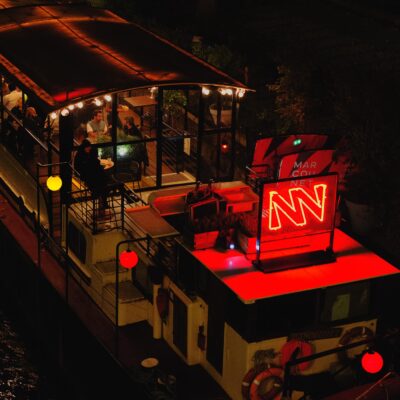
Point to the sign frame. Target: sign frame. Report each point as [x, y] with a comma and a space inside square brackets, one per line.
[296, 260]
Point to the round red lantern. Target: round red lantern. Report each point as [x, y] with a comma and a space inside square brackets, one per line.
[372, 362]
[128, 259]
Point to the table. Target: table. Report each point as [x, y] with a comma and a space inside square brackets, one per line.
[140, 101]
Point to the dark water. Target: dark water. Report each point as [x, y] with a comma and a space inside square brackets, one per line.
[19, 377]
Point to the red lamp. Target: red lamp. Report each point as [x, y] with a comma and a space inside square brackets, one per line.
[372, 362]
[128, 259]
[224, 146]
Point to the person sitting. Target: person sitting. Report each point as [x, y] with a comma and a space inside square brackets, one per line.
[92, 173]
[11, 99]
[96, 127]
[139, 150]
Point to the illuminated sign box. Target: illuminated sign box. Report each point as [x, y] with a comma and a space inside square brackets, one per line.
[296, 222]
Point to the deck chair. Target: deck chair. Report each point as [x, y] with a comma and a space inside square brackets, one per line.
[130, 172]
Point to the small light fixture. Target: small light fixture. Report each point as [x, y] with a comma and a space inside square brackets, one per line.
[128, 259]
[54, 183]
[240, 92]
[64, 112]
[205, 90]
[372, 362]
[297, 142]
[232, 246]
[107, 97]
[229, 92]
[153, 91]
[98, 102]
[224, 146]
[80, 104]
[71, 107]
[53, 115]
[222, 91]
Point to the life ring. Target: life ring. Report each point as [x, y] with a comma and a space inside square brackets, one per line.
[249, 378]
[305, 350]
[361, 332]
[271, 377]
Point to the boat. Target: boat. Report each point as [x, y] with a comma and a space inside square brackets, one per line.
[199, 285]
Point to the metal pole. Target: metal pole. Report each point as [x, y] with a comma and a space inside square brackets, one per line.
[233, 135]
[3, 128]
[38, 215]
[159, 150]
[200, 135]
[259, 224]
[116, 299]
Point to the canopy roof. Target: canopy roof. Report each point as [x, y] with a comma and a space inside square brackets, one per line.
[66, 52]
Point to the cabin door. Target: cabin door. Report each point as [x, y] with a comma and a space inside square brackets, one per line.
[180, 325]
[215, 332]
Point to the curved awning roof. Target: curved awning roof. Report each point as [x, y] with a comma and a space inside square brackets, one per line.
[63, 53]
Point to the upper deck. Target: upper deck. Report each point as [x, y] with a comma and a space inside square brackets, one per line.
[354, 263]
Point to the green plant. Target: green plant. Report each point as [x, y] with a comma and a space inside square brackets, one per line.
[174, 102]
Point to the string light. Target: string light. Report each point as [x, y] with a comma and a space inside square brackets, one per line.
[205, 90]
[71, 107]
[107, 97]
[98, 102]
[53, 115]
[64, 112]
[80, 104]
[240, 92]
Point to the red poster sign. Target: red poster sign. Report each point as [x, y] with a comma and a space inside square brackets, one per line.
[298, 207]
[268, 151]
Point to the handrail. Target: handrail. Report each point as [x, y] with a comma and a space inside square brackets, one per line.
[341, 348]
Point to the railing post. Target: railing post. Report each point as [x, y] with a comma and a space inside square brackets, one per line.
[116, 299]
[38, 215]
[122, 207]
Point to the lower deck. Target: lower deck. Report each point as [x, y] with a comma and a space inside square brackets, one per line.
[134, 342]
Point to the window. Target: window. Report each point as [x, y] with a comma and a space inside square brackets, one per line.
[77, 242]
[346, 302]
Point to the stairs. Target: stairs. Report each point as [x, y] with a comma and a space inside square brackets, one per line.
[132, 306]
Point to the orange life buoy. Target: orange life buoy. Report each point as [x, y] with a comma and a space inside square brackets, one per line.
[267, 385]
[305, 350]
[249, 377]
[361, 332]
[246, 382]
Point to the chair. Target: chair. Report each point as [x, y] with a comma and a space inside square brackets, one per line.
[131, 171]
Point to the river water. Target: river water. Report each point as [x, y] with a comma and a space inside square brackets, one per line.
[19, 377]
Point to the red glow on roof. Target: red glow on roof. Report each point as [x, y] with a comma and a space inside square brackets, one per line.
[353, 263]
[73, 94]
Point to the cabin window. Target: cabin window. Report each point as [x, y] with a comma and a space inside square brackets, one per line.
[77, 242]
[346, 302]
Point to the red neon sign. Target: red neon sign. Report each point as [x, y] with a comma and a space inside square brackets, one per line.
[295, 209]
[298, 206]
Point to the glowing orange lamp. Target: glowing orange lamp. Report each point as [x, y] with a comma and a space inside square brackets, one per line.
[54, 183]
[128, 259]
[372, 362]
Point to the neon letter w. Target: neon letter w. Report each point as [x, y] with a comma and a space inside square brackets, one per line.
[294, 208]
